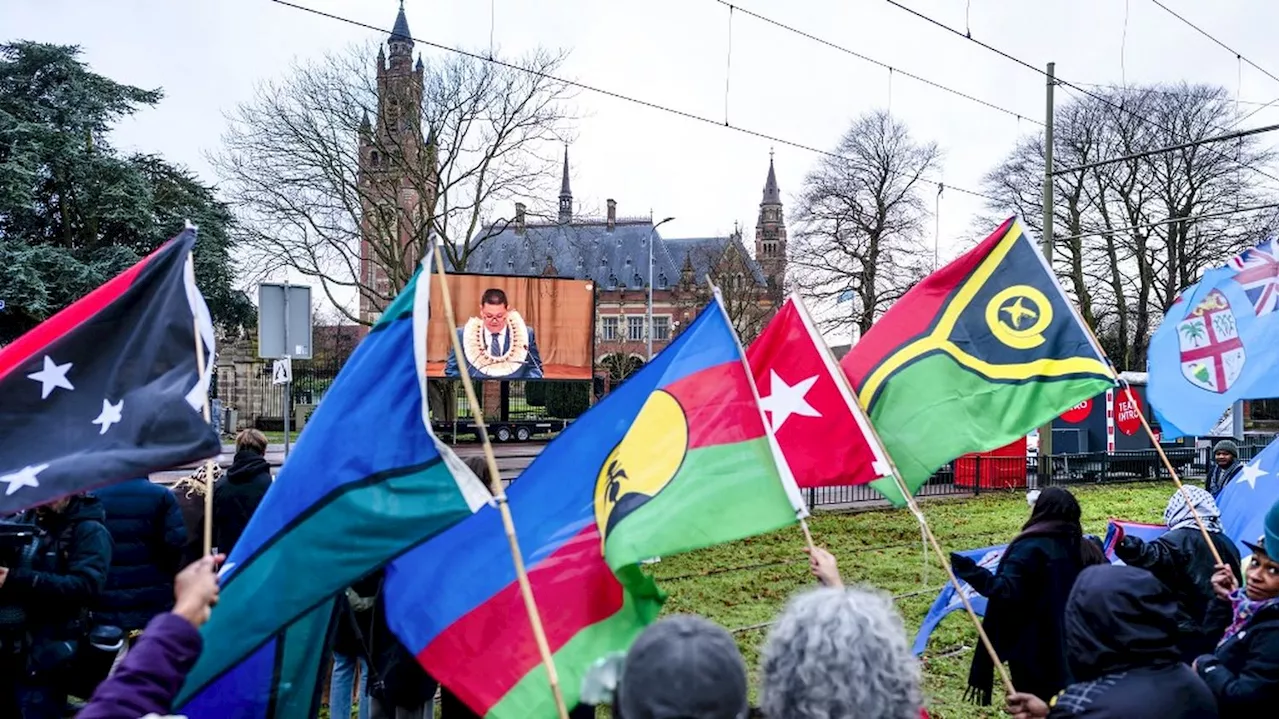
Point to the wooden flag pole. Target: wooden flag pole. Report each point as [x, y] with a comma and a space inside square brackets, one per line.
[755, 392]
[1182, 489]
[499, 493]
[1142, 416]
[924, 527]
[208, 418]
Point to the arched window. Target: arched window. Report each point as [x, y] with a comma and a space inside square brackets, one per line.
[662, 281]
[375, 159]
[488, 266]
[637, 280]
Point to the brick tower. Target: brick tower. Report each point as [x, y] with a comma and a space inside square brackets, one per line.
[771, 235]
[396, 186]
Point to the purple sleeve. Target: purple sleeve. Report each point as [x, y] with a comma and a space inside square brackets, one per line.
[151, 674]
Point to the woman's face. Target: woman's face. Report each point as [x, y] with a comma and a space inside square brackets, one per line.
[1262, 578]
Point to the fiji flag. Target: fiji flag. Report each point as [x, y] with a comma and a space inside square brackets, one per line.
[109, 388]
[1218, 344]
[1245, 502]
[366, 483]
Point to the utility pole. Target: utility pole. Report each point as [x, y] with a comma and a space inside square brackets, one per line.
[1046, 432]
[648, 313]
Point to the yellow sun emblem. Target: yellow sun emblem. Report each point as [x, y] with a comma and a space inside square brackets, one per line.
[643, 463]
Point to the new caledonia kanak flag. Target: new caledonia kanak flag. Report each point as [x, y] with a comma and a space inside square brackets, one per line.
[366, 482]
[676, 458]
[108, 388]
[973, 357]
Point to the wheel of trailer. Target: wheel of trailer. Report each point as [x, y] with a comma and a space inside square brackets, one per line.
[503, 434]
[522, 434]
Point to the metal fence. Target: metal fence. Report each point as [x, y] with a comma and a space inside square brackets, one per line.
[975, 475]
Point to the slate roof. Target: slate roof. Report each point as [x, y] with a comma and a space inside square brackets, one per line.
[589, 250]
[400, 31]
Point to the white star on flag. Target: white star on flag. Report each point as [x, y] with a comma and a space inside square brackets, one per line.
[785, 400]
[109, 416]
[51, 377]
[1251, 472]
[25, 477]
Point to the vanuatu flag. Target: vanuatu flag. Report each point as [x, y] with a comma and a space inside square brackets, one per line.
[675, 458]
[366, 482]
[973, 357]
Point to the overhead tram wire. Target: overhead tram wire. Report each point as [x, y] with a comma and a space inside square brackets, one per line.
[1220, 43]
[1172, 148]
[619, 96]
[1170, 93]
[1059, 81]
[1172, 220]
[878, 63]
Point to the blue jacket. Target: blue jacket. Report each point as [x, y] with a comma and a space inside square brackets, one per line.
[146, 526]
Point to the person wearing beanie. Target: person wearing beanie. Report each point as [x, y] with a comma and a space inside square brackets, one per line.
[1242, 671]
[1226, 465]
[682, 666]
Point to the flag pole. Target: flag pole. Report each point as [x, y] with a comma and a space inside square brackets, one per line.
[780, 462]
[208, 418]
[499, 494]
[1164, 458]
[919, 515]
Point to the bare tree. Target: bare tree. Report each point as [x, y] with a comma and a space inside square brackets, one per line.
[1123, 268]
[311, 174]
[861, 219]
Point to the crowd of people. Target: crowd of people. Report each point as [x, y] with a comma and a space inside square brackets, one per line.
[92, 603]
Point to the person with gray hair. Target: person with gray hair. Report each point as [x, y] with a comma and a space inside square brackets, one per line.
[838, 653]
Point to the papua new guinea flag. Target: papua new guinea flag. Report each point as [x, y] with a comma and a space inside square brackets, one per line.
[366, 482]
[108, 389]
[676, 458]
[973, 357]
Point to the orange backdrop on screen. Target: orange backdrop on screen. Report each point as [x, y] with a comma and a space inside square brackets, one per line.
[560, 312]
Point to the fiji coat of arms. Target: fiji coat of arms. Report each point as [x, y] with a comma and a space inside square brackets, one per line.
[1212, 355]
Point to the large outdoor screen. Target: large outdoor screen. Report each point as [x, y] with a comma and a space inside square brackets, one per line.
[514, 328]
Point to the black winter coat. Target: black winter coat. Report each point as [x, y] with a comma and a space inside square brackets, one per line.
[396, 679]
[1026, 598]
[1119, 628]
[1181, 559]
[236, 497]
[1242, 673]
[68, 573]
[146, 527]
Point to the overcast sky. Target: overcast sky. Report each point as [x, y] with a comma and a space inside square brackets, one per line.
[207, 56]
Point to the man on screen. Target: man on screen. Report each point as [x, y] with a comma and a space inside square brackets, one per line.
[497, 344]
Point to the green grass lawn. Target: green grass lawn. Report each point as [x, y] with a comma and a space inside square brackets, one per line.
[745, 584]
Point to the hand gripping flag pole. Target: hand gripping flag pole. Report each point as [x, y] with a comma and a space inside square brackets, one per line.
[499, 494]
[924, 528]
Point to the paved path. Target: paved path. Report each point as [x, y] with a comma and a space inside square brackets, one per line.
[512, 459]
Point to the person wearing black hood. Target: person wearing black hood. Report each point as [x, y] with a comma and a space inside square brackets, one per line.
[237, 495]
[1027, 595]
[1121, 631]
[65, 578]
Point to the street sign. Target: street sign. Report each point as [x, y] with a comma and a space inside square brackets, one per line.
[284, 321]
[282, 371]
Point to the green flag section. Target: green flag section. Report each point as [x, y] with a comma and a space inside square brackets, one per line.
[972, 358]
[676, 458]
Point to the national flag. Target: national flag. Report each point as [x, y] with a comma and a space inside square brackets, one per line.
[674, 459]
[1257, 273]
[366, 482]
[989, 557]
[108, 389]
[822, 431]
[974, 357]
[1220, 343]
[1244, 502]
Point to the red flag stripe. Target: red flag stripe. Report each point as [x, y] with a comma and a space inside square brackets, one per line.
[58, 326]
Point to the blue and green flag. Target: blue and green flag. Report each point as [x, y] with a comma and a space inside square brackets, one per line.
[367, 482]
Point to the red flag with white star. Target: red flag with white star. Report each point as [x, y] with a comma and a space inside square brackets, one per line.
[822, 431]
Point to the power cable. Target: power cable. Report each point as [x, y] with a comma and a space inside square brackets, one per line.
[614, 94]
[1220, 43]
[876, 62]
[1170, 221]
[1057, 80]
[1155, 91]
